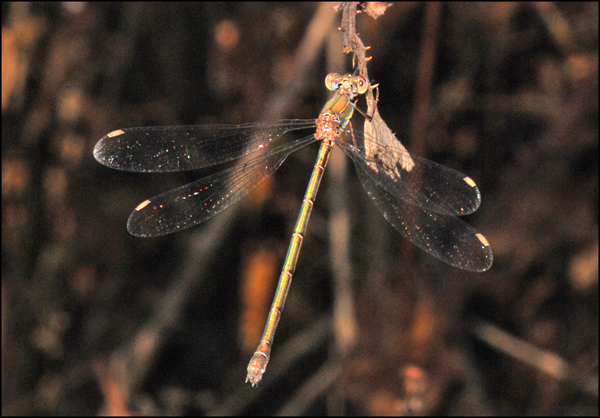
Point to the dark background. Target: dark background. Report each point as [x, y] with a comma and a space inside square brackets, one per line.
[96, 321]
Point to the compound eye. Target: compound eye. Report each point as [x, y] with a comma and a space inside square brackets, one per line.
[361, 84]
[332, 81]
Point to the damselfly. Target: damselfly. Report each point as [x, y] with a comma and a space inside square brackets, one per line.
[420, 198]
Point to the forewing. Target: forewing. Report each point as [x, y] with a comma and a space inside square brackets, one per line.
[419, 181]
[181, 148]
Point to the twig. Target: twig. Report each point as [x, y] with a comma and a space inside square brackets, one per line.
[312, 389]
[132, 362]
[542, 360]
[425, 73]
[305, 57]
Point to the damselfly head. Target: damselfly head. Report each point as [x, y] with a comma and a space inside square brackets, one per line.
[347, 84]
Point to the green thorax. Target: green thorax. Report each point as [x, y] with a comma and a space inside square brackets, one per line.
[341, 106]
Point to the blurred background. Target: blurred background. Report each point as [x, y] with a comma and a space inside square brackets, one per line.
[96, 321]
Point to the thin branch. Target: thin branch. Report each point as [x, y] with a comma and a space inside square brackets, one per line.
[307, 52]
[542, 360]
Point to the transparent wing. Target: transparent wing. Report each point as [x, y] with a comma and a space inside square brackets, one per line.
[420, 199]
[181, 148]
[200, 200]
[444, 236]
[418, 181]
